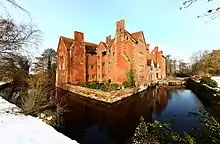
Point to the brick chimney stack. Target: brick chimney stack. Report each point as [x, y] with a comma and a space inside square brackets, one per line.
[120, 26]
[78, 36]
[108, 39]
[156, 49]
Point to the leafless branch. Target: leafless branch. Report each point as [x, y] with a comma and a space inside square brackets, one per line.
[14, 38]
[211, 13]
[16, 5]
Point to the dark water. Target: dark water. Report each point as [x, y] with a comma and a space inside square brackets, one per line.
[89, 121]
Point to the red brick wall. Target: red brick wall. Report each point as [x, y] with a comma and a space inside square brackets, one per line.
[91, 67]
[157, 56]
[123, 52]
[120, 65]
[61, 72]
[78, 59]
[140, 60]
[109, 64]
[101, 60]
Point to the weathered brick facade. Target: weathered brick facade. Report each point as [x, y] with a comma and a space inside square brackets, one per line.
[80, 61]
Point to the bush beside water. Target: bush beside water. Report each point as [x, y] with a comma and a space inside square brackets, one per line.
[208, 81]
[158, 133]
[102, 86]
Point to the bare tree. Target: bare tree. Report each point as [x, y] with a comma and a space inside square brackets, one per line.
[211, 13]
[168, 65]
[174, 65]
[17, 38]
[182, 65]
[15, 4]
[14, 43]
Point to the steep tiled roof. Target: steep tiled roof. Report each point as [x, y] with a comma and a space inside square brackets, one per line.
[135, 35]
[90, 44]
[67, 41]
[131, 35]
[90, 47]
[104, 44]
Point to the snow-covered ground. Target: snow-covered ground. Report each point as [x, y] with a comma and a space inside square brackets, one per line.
[16, 128]
[1, 83]
[217, 79]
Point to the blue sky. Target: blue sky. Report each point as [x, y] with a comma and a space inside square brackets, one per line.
[176, 32]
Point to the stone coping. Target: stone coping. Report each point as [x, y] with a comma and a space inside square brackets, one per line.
[107, 97]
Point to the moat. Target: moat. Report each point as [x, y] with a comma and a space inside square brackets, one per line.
[89, 121]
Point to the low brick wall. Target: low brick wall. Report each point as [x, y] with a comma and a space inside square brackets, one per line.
[208, 95]
[108, 97]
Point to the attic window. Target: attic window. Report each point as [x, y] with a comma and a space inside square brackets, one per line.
[127, 37]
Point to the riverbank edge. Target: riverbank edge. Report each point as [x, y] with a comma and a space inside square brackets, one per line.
[12, 116]
[209, 96]
[106, 97]
[119, 95]
[205, 93]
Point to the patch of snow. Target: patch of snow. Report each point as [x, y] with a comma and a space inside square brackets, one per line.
[142, 88]
[18, 128]
[217, 79]
[1, 83]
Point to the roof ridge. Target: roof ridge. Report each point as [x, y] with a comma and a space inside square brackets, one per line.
[137, 32]
[130, 35]
[66, 37]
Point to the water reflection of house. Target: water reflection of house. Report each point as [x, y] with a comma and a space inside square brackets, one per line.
[80, 61]
[160, 100]
[117, 121]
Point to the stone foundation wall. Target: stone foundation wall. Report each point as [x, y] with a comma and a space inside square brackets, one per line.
[208, 95]
[112, 96]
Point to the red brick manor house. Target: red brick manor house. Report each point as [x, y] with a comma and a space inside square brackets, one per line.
[80, 61]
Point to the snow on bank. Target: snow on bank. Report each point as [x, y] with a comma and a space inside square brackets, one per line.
[1, 83]
[16, 128]
[217, 79]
